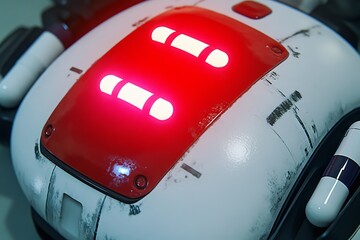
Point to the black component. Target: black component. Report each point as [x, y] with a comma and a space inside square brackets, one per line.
[343, 16]
[11, 49]
[344, 169]
[14, 45]
[291, 222]
[45, 231]
[6, 121]
[69, 20]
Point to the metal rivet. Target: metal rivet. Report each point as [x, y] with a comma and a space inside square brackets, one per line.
[141, 182]
[49, 130]
[277, 50]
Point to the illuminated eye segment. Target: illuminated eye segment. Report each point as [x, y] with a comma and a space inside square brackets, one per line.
[195, 47]
[161, 109]
[160, 34]
[108, 83]
[217, 58]
[137, 96]
[134, 95]
[189, 44]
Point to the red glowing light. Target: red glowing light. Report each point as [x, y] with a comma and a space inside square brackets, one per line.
[149, 98]
[161, 109]
[193, 46]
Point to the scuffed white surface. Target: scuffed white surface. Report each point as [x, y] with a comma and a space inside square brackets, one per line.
[247, 166]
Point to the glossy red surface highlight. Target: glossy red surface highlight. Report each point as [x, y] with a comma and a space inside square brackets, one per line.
[252, 9]
[112, 142]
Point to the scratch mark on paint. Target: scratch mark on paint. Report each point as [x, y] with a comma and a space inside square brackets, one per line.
[98, 216]
[296, 96]
[294, 53]
[134, 210]
[273, 76]
[258, 227]
[90, 221]
[268, 81]
[141, 21]
[76, 70]
[180, 7]
[52, 199]
[37, 151]
[284, 107]
[304, 128]
[198, 2]
[191, 170]
[279, 184]
[281, 93]
[304, 32]
[282, 140]
[313, 126]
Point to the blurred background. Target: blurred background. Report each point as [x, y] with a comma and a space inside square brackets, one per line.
[15, 218]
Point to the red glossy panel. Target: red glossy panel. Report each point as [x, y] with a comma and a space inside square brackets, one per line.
[252, 9]
[103, 128]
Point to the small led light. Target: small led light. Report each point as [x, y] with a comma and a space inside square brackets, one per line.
[120, 170]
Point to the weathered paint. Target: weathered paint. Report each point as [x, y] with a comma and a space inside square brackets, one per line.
[284, 107]
[90, 200]
[247, 165]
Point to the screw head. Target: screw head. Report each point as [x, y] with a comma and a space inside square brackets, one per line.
[141, 182]
[49, 130]
[277, 50]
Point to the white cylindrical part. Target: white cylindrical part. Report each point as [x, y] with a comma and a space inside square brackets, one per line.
[333, 188]
[14, 86]
[349, 146]
[326, 201]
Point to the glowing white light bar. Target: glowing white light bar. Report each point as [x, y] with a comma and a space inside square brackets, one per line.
[160, 34]
[108, 83]
[189, 44]
[137, 96]
[161, 109]
[216, 58]
[134, 95]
